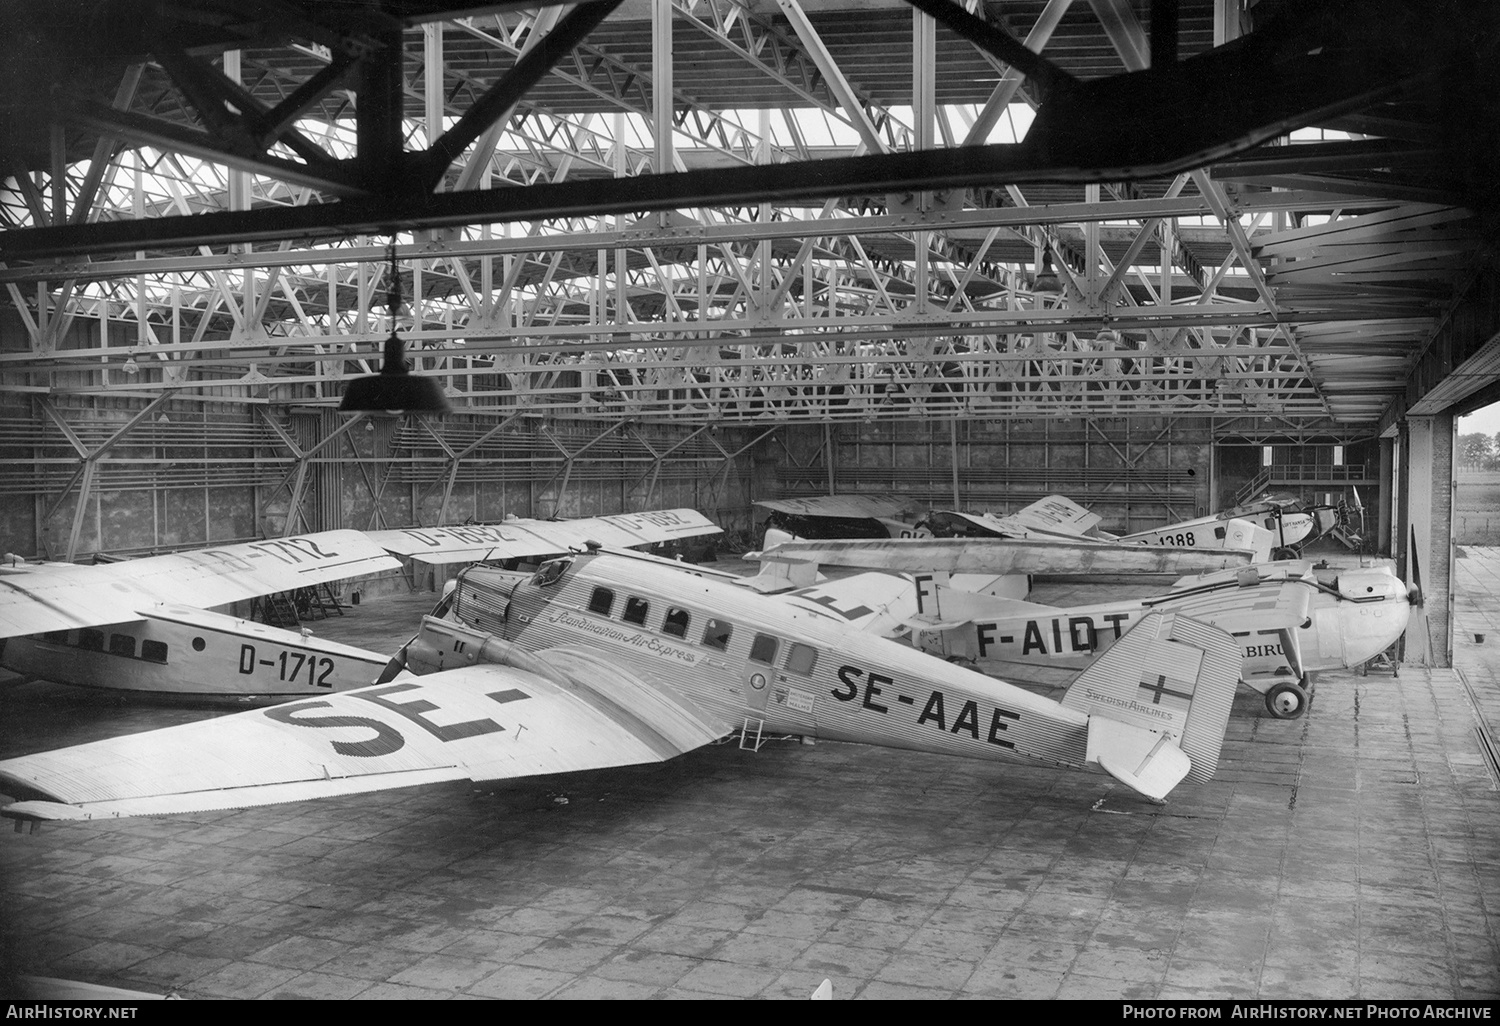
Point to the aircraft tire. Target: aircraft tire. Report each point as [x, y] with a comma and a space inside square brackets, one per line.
[1286, 701]
[1285, 553]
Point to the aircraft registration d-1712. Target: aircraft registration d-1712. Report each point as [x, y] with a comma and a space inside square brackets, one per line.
[1290, 618]
[141, 625]
[604, 659]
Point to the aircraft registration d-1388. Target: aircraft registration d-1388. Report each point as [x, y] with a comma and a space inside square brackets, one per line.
[605, 659]
[141, 625]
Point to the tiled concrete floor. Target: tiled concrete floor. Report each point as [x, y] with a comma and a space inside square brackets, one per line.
[1353, 853]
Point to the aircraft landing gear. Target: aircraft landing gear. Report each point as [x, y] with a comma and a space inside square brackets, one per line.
[1286, 552]
[1286, 700]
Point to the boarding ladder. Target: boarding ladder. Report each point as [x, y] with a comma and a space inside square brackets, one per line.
[745, 740]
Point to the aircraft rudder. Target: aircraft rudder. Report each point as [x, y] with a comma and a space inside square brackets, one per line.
[1169, 674]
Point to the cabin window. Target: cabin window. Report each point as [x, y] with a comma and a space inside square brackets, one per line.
[199, 644]
[602, 601]
[763, 649]
[91, 639]
[156, 651]
[802, 658]
[122, 644]
[716, 634]
[636, 610]
[676, 623]
[56, 637]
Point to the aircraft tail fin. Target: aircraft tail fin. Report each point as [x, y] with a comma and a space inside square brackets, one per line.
[1171, 677]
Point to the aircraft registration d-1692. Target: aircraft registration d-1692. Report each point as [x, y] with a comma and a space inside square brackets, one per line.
[1291, 619]
[604, 659]
[142, 625]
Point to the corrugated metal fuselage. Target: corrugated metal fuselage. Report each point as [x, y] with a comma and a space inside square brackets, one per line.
[744, 656]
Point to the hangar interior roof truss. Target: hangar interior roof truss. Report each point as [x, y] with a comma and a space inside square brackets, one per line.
[741, 211]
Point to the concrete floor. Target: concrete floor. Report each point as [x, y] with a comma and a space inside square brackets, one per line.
[1352, 854]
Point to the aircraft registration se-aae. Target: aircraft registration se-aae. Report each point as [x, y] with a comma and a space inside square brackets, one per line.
[143, 625]
[605, 659]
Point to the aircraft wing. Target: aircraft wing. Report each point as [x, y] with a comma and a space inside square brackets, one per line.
[1011, 556]
[481, 722]
[1057, 513]
[525, 539]
[852, 507]
[880, 604]
[50, 599]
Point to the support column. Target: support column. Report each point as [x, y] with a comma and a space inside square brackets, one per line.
[1383, 498]
[1428, 555]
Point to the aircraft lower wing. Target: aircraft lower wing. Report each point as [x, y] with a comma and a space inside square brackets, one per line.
[48, 599]
[479, 722]
[526, 539]
[1010, 556]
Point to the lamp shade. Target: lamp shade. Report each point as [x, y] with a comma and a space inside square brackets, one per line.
[395, 389]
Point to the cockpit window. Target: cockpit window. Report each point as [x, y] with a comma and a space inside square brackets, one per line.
[550, 572]
[676, 623]
[636, 610]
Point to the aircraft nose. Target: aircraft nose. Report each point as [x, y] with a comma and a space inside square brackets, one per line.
[1414, 595]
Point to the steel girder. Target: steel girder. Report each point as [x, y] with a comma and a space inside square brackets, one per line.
[720, 315]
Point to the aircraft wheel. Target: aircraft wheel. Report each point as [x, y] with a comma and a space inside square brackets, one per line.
[1285, 553]
[1286, 701]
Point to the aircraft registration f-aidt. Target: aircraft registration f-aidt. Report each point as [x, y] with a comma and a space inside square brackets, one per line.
[139, 626]
[604, 659]
[1291, 619]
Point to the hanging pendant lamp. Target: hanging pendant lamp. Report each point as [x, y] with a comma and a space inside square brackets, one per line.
[395, 389]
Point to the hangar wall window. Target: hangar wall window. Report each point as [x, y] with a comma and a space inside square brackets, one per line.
[763, 649]
[676, 623]
[601, 601]
[636, 610]
[122, 644]
[156, 651]
[716, 634]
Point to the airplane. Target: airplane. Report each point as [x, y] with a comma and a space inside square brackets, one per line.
[138, 626]
[603, 659]
[1291, 619]
[863, 517]
[142, 624]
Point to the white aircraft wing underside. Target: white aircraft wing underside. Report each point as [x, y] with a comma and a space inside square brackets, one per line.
[853, 507]
[481, 722]
[85, 596]
[525, 539]
[1011, 556]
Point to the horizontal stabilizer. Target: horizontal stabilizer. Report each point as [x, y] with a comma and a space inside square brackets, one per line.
[1145, 760]
[1010, 556]
[778, 575]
